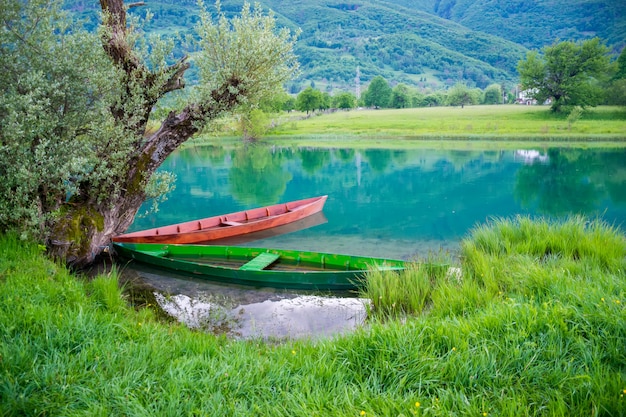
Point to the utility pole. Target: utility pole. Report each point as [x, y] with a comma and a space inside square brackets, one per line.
[357, 80]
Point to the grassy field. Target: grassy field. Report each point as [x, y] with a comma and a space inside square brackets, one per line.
[533, 323]
[503, 122]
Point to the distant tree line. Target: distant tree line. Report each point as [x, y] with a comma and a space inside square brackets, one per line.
[380, 94]
[567, 75]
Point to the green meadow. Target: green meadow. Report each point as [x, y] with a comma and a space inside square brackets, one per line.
[496, 122]
[530, 321]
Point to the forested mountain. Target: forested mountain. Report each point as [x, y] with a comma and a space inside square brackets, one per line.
[534, 23]
[424, 43]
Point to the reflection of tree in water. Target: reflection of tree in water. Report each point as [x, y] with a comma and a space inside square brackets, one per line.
[463, 159]
[345, 155]
[381, 159]
[314, 160]
[615, 175]
[257, 176]
[196, 156]
[378, 159]
[400, 157]
[572, 181]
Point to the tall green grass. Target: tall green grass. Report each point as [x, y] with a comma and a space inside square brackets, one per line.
[398, 294]
[537, 314]
[544, 335]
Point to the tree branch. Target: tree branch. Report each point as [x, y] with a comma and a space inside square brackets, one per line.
[179, 127]
[114, 41]
[175, 80]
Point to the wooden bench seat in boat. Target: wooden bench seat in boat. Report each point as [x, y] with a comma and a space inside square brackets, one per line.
[231, 223]
[260, 262]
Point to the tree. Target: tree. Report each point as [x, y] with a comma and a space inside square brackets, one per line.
[275, 103]
[378, 93]
[568, 73]
[620, 74]
[493, 94]
[434, 99]
[255, 121]
[460, 95]
[418, 99]
[309, 99]
[326, 101]
[616, 93]
[289, 104]
[400, 97]
[344, 100]
[75, 158]
[253, 124]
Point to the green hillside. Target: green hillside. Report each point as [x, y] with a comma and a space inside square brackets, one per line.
[429, 44]
[534, 23]
[402, 45]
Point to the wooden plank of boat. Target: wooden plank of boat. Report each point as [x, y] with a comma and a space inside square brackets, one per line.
[259, 262]
[259, 267]
[228, 225]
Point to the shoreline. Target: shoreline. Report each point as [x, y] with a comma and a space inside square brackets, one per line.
[485, 127]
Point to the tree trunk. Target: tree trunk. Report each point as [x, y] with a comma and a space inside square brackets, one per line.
[86, 225]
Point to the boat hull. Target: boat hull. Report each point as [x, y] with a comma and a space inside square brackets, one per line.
[228, 225]
[290, 269]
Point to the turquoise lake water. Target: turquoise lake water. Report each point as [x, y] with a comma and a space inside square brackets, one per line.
[394, 203]
[388, 203]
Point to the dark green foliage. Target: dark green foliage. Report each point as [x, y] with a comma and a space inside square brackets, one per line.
[399, 39]
[461, 95]
[567, 73]
[493, 94]
[534, 23]
[400, 97]
[621, 66]
[326, 102]
[309, 99]
[380, 38]
[378, 93]
[616, 93]
[344, 100]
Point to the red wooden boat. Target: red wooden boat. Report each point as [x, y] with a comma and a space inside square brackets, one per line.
[228, 225]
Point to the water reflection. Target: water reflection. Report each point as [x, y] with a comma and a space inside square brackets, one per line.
[245, 312]
[257, 176]
[313, 160]
[303, 316]
[389, 203]
[567, 181]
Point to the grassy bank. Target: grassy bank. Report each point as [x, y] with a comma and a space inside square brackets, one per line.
[484, 122]
[534, 325]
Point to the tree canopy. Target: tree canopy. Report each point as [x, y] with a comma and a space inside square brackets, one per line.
[344, 100]
[566, 73]
[378, 93]
[493, 94]
[621, 66]
[460, 95]
[616, 93]
[400, 97]
[75, 156]
[309, 99]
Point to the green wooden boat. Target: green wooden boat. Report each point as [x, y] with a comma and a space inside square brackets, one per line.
[260, 267]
